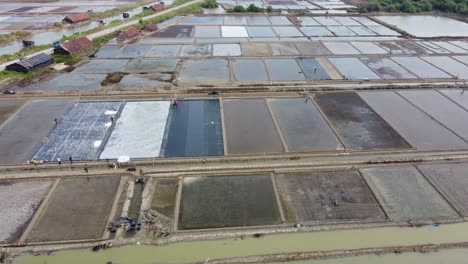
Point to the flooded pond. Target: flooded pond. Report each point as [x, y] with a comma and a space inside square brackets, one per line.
[428, 26]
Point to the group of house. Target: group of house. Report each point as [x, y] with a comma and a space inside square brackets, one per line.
[76, 46]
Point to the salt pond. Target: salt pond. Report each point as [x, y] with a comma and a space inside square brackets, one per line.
[427, 26]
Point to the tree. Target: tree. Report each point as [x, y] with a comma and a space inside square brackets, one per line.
[269, 9]
[210, 4]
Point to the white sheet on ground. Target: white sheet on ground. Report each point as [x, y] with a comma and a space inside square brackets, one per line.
[139, 131]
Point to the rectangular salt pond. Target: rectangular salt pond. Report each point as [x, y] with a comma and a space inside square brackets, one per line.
[419, 129]
[311, 196]
[312, 69]
[234, 32]
[359, 126]
[455, 68]
[341, 48]
[249, 71]
[450, 180]
[102, 66]
[463, 59]
[440, 108]
[260, 32]
[387, 68]
[205, 71]
[132, 51]
[311, 48]
[353, 69]
[108, 51]
[203, 20]
[368, 48]
[249, 127]
[341, 31]
[196, 50]
[78, 209]
[235, 20]
[280, 21]
[458, 96]
[258, 20]
[316, 31]
[461, 44]
[70, 82]
[19, 201]
[302, 126]
[80, 133]
[149, 65]
[226, 50]
[284, 70]
[176, 31]
[432, 47]
[284, 49]
[421, 68]
[383, 31]
[327, 21]
[194, 130]
[130, 139]
[346, 21]
[428, 26]
[163, 51]
[362, 31]
[307, 21]
[449, 47]
[207, 32]
[227, 201]
[406, 195]
[17, 142]
[287, 32]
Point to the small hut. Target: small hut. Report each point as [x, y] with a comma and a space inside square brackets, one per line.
[158, 7]
[128, 34]
[75, 18]
[151, 27]
[31, 64]
[79, 45]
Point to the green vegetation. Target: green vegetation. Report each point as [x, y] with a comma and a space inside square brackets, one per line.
[8, 38]
[118, 10]
[70, 60]
[252, 8]
[19, 76]
[416, 6]
[23, 52]
[210, 4]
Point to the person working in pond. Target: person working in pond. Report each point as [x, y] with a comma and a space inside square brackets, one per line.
[175, 103]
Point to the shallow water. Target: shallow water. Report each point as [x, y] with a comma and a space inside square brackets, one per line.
[428, 26]
[189, 252]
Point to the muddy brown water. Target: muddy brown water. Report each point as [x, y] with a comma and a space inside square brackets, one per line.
[189, 252]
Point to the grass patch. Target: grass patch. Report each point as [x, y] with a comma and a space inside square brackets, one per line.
[23, 52]
[19, 76]
[10, 37]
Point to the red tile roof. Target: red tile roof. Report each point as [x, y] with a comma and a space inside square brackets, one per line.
[130, 33]
[151, 27]
[77, 45]
[74, 18]
[158, 6]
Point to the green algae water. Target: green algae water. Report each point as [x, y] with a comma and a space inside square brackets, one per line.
[196, 251]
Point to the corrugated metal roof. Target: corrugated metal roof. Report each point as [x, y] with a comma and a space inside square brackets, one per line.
[35, 60]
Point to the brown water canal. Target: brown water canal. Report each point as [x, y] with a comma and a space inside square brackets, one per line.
[190, 252]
